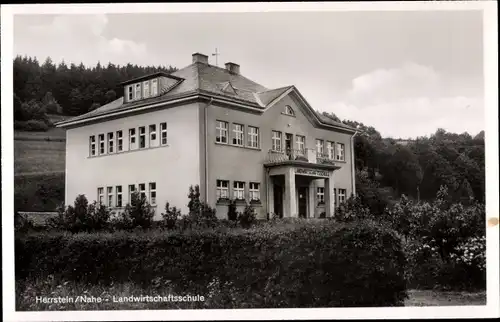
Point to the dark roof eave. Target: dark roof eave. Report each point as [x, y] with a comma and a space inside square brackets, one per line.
[137, 79]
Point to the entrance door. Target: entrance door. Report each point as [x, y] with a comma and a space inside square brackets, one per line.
[288, 145]
[278, 201]
[302, 202]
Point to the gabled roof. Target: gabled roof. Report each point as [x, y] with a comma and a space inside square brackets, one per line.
[200, 79]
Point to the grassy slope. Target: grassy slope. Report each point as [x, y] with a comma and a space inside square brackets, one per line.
[38, 156]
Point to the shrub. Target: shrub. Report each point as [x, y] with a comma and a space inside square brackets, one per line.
[352, 209]
[248, 217]
[21, 223]
[194, 199]
[82, 216]
[170, 216]
[297, 264]
[232, 214]
[137, 213]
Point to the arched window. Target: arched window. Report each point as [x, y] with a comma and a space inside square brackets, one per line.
[289, 110]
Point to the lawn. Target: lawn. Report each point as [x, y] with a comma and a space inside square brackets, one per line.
[444, 298]
[38, 156]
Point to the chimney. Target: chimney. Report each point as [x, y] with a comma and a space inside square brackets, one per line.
[233, 68]
[200, 58]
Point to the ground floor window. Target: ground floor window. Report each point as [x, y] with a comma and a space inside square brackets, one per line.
[222, 189]
[142, 190]
[320, 195]
[119, 199]
[342, 194]
[100, 195]
[239, 190]
[152, 193]
[254, 190]
[131, 190]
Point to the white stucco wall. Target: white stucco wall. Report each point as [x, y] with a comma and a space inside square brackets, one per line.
[173, 167]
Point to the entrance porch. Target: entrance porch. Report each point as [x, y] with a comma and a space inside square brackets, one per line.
[291, 188]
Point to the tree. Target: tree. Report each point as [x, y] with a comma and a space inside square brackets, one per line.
[110, 96]
[94, 106]
[50, 104]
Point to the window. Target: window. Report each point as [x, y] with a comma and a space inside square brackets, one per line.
[111, 142]
[253, 137]
[340, 152]
[320, 195]
[142, 190]
[145, 89]
[319, 147]
[342, 193]
[330, 149]
[238, 134]
[137, 91]
[152, 193]
[119, 198]
[132, 139]
[301, 144]
[222, 189]
[110, 196]
[119, 141]
[163, 128]
[92, 145]
[154, 87]
[153, 140]
[101, 144]
[254, 191]
[142, 137]
[130, 93]
[276, 141]
[239, 190]
[131, 190]
[100, 195]
[221, 132]
[289, 110]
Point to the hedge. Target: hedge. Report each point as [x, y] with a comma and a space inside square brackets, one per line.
[302, 264]
[40, 192]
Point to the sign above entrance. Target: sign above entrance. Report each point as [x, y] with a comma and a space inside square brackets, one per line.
[312, 172]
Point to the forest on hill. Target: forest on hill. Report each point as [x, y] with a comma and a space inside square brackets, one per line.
[385, 168]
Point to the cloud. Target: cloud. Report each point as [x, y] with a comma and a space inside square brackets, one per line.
[409, 101]
[84, 32]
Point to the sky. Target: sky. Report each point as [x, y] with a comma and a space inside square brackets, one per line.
[407, 73]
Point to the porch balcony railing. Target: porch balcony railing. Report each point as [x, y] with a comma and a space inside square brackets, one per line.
[304, 155]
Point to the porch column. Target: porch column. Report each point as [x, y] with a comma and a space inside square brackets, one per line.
[270, 196]
[329, 196]
[312, 200]
[290, 197]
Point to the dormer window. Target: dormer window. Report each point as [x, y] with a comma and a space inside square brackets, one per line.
[145, 87]
[130, 91]
[138, 91]
[289, 110]
[154, 87]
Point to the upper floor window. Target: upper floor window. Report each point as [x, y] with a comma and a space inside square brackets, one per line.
[289, 110]
[119, 141]
[153, 140]
[142, 137]
[132, 139]
[163, 129]
[137, 91]
[239, 190]
[301, 144]
[320, 195]
[221, 135]
[276, 146]
[145, 89]
[102, 150]
[319, 147]
[340, 155]
[222, 189]
[330, 149]
[253, 137]
[111, 142]
[237, 134]
[92, 146]
[154, 87]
